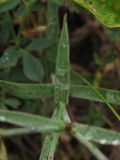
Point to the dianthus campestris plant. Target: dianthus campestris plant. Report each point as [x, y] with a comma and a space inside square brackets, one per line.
[61, 89]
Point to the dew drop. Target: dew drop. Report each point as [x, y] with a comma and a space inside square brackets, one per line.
[7, 58]
[2, 119]
[103, 141]
[116, 142]
[61, 72]
[64, 45]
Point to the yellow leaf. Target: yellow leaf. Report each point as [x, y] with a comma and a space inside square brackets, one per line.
[3, 152]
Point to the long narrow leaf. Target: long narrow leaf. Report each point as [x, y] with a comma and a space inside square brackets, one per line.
[50, 141]
[34, 122]
[30, 91]
[62, 76]
[94, 150]
[85, 92]
[99, 135]
[61, 91]
[37, 91]
[52, 34]
[15, 132]
[100, 96]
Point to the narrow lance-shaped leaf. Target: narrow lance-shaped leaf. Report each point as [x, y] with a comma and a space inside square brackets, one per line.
[100, 96]
[85, 92]
[34, 122]
[97, 134]
[49, 150]
[106, 11]
[28, 91]
[15, 132]
[51, 140]
[62, 76]
[94, 150]
[52, 34]
[37, 91]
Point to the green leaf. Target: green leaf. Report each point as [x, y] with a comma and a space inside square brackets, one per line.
[33, 69]
[10, 57]
[37, 91]
[10, 4]
[99, 135]
[12, 102]
[62, 72]
[100, 96]
[105, 11]
[28, 91]
[3, 1]
[85, 92]
[49, 146]
[59, 2]
[37, 123]
[94, 150]
[15, 131]
[62, 76]
[39, 44]
[52, 34]
[50, 142]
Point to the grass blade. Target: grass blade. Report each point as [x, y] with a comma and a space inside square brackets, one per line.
[99, 135]
[34, 122]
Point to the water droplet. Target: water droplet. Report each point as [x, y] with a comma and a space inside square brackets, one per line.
[110, 96]
[61, 72]
[7, 58]
[64, 45]
[116, 142]
[103, 141]
[2, 118]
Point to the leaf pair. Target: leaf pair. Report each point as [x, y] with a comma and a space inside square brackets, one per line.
[33, 68]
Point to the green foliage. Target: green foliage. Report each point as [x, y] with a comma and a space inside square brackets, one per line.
[63, 86]
[105, 11]
[10, 57]
[60, 2]
[33, 68]
[8, 5]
